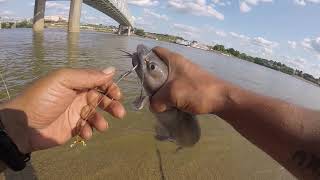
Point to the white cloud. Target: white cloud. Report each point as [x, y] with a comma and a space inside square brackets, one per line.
[302, 64]
[188, 32]
[246, 5]
[257, 46]
[240, 36]
[3, 1]
[195, 7]
[305, 2]
[297, 63]
[210, 29]
[306, 43]
[292, 44]
[221, 2]
[148, 12]
[221, 33]
[6, 13]
[55, 5]
[148, 20]
[186, 28]
[300, 2]
[312, 45]
[266, 46]
[260, 41]
[140, 22]
[144, 3]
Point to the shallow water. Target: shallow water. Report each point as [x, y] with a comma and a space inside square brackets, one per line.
[127, 150]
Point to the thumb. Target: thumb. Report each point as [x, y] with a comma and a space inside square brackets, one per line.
[159, 102]
[85, 78]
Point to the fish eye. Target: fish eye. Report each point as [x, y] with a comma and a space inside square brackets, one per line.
[152, 66]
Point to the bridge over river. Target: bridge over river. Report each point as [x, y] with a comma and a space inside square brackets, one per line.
[116, 9]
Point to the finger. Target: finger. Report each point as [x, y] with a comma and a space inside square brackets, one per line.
[159, 101]
[113, 91]
[85, 78]
[157, 104]
[94, 97]
[116, 109]
[86, 131]
[163, 53]
[98, 122]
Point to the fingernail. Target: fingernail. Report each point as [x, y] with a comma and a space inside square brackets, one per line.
[109, 70]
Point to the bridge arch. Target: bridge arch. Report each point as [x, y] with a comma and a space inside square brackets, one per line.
[116, 9]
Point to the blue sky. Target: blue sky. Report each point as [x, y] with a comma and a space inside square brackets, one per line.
[284, 30]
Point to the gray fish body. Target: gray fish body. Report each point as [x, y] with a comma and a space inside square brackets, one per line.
[173, 125]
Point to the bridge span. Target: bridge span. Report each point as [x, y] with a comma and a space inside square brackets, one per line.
[116, 9]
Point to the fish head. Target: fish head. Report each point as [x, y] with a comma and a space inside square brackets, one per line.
[151, 70]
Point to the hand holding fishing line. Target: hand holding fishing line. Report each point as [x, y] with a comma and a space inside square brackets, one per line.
[88, 110]
[46, 113]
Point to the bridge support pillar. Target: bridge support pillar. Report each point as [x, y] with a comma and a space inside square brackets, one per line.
[129, 31]
[38, 16]
[74, 16]
[120, 29]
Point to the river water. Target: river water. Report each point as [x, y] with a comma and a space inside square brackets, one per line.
[127, 150]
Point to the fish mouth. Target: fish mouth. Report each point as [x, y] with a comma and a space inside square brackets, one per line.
[136, 62]
[138, 58]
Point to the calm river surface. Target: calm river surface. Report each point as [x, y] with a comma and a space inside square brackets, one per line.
[127, 150]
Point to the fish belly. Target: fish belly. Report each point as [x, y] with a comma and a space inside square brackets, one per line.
[181, 127]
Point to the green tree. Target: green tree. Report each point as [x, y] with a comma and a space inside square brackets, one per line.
[219, 47]
[140, 32]
[233, 52]
[24, 24]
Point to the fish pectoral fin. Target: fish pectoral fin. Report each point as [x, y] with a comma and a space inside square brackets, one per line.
[139, 102]
[162, 133]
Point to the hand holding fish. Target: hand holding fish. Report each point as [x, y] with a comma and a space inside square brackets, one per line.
[45, 114]
[189, 87]
[287, 132]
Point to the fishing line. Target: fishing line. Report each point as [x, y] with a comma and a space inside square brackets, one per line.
[5, 86]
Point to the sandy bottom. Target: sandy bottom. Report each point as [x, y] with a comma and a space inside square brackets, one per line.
[128, 151]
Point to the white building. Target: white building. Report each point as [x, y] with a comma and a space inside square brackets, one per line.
[183, 42]
[197, 45]
[55, 19]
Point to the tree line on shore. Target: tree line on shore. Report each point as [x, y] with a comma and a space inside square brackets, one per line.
[265, 62]
[20, 24]
[278, 66]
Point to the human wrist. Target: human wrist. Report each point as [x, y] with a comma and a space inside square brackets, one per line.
[229, 99]
[15, 125]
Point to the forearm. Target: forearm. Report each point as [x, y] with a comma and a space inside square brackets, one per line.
[286, 132]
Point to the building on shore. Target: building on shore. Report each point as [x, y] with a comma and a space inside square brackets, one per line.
[197, 45]
[55, 19]
[183, 42]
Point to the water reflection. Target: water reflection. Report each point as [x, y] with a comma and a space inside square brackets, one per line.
[38, 53]
[73, 48]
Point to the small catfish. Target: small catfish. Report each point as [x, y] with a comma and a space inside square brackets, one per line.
[172, 125]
